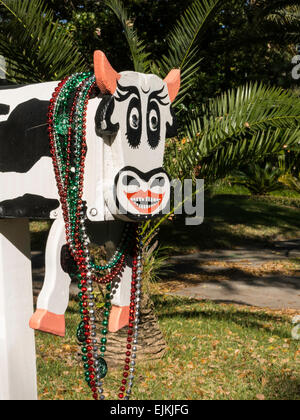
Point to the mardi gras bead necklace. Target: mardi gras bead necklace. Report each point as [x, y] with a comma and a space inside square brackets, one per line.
[67, 136]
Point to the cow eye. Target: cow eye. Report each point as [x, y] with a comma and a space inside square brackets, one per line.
[153, 124]
[153, 120]
[134, 119]
[134, 123]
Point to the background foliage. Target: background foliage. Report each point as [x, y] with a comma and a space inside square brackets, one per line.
[235, 58]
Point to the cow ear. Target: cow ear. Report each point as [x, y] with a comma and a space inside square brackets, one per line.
[106, 77]
[173, 83]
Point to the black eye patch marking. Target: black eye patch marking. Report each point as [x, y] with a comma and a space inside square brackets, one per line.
[103, 115]
[155, 100]
[153, 124]
[4, 109]
[134, 123]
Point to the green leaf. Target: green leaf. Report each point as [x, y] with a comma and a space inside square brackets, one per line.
[182, 44]
[36, 47]
[139, 55]
[242, 124]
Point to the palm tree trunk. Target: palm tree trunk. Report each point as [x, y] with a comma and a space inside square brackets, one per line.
[151, 343]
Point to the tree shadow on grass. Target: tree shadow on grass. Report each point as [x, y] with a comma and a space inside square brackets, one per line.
[189, 273]
[282, 387]
[224, 210]
[256, 320]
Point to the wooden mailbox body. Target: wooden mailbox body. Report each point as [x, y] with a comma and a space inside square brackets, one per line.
[140, 108]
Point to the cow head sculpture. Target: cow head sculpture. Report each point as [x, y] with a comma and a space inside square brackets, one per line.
[134, 118]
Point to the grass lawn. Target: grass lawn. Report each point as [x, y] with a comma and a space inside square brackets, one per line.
[234, 221]
[230, 221]
[215, 351]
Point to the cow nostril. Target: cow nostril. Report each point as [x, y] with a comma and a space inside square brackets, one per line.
[158, 182]
[130, 181]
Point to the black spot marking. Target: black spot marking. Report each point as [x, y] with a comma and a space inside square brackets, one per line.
[103, 115]
[134, 122]
[28, 206]
[67, 261]
[4, 109]
[24, 137]
[134, 113]
[172, 129]
[153, 124]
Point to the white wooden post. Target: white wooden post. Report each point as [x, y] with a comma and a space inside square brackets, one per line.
[17, 345]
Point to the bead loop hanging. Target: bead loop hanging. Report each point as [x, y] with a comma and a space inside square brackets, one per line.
[67, 137]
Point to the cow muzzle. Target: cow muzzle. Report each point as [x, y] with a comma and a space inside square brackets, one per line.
[140, 195]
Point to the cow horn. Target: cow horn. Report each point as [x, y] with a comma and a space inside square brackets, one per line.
[173, 83]
[106, 76]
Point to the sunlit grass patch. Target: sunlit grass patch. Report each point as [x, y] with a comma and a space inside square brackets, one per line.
[215, 351]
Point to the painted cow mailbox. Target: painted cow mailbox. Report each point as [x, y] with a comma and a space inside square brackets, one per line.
[106, 133]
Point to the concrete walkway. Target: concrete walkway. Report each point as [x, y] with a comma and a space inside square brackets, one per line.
[274, 291]
[267, 292]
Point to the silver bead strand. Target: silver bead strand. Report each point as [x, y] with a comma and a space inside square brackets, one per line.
[137, 317]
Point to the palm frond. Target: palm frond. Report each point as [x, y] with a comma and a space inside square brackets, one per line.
[262, 144]
[137, 47]
[286, 15]
[258, 179]
[182, 43]
[291, 182]
[250, 122]
[284, 24]
[36, 47]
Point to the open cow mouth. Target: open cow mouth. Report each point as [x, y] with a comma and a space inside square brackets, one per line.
[141, 195]
[146, 202]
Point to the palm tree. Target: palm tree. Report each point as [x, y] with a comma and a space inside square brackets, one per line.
[36, 48]
[259, 180]
[242, 125]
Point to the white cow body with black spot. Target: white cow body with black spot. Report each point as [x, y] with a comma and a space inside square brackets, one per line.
[124, 179]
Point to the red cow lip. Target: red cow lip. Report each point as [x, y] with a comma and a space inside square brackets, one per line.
[145, 202]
